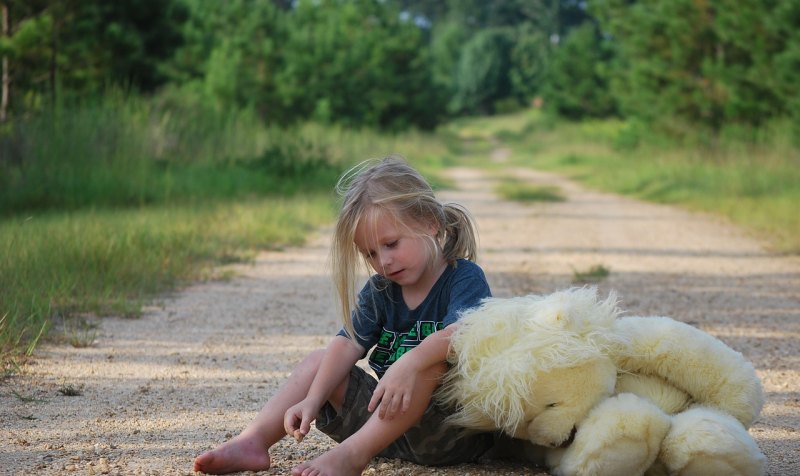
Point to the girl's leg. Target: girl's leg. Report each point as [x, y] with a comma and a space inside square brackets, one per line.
[248, 450]
[352, 455]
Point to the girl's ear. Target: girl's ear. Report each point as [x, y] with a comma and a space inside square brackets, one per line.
[432, 228]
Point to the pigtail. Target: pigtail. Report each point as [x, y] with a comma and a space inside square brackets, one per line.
[460, 234]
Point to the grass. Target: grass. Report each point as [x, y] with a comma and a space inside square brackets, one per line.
[64, 264]
[520, 191]
[751, 178]
[594, 274]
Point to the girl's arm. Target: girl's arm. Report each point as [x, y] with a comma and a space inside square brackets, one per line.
[340, 356]
[395, 389]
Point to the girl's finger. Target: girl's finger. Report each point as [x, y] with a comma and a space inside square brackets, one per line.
[289, 423]
[377, 396]
[406, 403]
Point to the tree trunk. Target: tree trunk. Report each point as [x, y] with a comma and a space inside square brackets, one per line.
[54, 62]
[6, 78]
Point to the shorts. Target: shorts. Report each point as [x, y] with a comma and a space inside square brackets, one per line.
[430, 442]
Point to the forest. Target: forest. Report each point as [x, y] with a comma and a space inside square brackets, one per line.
[400, 64]
[149, 117]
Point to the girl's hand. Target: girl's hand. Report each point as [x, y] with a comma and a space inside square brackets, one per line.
[297, 419]
[396, 388]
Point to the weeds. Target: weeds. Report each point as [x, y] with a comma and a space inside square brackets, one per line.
[525, 192]
[81, 334]
[25, 398]
[594, 274]
[10, 368]
[68, 390]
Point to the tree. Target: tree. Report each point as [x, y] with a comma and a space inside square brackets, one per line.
[483, 72]
[782, 69]
[5, 80]
[232, 52]
[703, 63]
[576, 86]
[530, 55]
[77, 48]
[447, 40]
[359, 63]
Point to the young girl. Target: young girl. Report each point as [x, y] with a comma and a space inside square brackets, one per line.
[421, 252]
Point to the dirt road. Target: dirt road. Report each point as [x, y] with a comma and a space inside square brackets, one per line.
[156, 391]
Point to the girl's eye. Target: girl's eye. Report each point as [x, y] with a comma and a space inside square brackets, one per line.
[392, 244]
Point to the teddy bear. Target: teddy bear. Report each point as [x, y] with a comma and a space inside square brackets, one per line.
[595, 393]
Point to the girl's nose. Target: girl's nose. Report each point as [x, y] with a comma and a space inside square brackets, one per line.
[385, 258]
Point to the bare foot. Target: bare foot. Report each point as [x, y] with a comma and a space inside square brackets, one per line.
[337, 462]
[238, 454]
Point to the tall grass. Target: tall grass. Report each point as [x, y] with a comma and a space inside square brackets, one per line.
[110, 262]
[132, 152]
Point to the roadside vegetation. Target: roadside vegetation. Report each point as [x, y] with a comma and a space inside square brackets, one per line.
[751, 177]
[127, 201]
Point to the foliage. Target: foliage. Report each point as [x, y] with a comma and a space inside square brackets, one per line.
[358, 62]
[576, 85]
[530, 55]
[594, 274]
[524, 192]
[126, 152]
[685, 63]
[76, 48]
[483, 72]
[232, 54]
[447, 39]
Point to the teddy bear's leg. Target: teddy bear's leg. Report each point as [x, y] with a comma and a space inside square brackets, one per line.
[703, 441]
[620, 436]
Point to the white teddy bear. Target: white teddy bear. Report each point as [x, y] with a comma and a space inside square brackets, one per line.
[603, 394]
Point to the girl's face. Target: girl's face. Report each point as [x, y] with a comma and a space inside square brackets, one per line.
[393, 250]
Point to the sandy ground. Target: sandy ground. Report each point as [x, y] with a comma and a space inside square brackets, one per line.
[194, 370]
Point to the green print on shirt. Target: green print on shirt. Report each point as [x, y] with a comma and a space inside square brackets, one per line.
[392, 345]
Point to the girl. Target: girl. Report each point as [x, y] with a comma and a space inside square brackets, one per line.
[421, 252]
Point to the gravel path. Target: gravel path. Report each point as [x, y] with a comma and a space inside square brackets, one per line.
[194, 370]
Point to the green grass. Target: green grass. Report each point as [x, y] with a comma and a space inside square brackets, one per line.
[61, 265]
[520, 191]
[594, 274]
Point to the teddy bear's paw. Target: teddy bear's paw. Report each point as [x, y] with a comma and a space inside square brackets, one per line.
[706, 442]
[621, 435]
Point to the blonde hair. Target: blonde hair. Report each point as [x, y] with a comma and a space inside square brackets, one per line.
[392, 185]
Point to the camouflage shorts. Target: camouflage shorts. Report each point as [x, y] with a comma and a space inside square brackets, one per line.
[430, 442]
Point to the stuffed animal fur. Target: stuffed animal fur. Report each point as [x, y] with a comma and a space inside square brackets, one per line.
[603, 394]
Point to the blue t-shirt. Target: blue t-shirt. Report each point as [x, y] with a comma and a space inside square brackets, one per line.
[383, 320]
